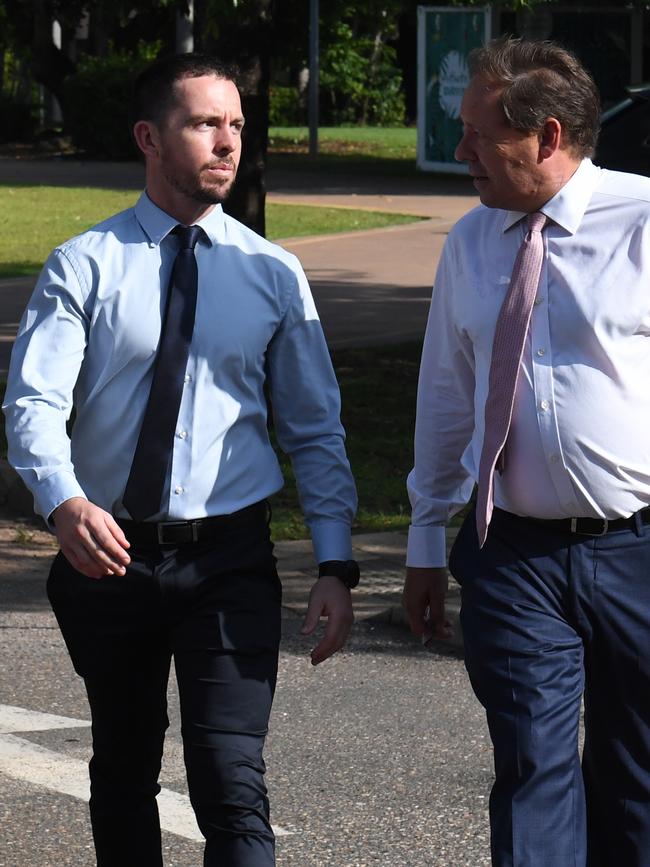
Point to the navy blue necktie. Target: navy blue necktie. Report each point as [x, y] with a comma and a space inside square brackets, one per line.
[144, 488]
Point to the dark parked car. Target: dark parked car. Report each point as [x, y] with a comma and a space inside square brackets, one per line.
[624, 142]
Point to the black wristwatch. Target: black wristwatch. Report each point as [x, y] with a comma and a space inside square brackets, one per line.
[346, 571]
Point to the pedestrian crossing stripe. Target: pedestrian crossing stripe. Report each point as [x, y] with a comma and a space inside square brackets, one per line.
[23, 760]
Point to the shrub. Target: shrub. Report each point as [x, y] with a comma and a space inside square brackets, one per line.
[285, 107]
[360, 82]
[17, 119]
[96, 105]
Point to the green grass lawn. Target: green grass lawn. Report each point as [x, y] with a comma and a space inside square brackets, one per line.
[293, 221]
[34, 219]
[380, 143]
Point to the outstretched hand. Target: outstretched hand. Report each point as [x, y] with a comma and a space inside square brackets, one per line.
[331, 599]
[90, 538]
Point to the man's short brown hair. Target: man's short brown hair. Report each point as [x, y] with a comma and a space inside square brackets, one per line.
[542, 80]
[153, 90]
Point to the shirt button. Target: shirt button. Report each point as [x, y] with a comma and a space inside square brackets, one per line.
[178, 489]
[187, 378]
[541, 352]
[183, 434]
[555, 458]
[539, 300]
[544, 405]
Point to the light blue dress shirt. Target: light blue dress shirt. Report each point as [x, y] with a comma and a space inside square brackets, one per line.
[89, 337]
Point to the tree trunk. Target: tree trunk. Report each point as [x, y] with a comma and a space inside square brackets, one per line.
[246, 41]
[374, 62]
[248, 198]
[50, 66]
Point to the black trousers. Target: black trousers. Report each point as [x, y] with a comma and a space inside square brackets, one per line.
[214, 606]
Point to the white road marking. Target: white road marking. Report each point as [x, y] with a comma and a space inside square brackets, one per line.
[19, 719]
[23, 760]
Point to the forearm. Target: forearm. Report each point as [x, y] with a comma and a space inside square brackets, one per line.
[439, 486]
[45, 363]
[327, 497]
[306, 410]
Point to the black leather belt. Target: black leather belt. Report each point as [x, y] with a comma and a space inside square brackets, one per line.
[185, 532]
[589, 526]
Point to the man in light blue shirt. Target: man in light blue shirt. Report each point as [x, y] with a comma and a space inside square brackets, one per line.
[196, 580]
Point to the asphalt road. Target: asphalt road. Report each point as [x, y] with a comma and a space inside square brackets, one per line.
[378, 757]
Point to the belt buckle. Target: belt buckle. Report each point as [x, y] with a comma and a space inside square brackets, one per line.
[163, 525]
[574, 527]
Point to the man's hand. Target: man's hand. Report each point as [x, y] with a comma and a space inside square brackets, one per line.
[90, 538]
[424, 601]
[328, 598]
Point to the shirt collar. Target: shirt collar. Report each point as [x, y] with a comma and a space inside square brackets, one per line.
[157, 224]
[568, 205]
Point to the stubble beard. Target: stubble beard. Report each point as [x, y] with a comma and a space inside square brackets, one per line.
[196, 188]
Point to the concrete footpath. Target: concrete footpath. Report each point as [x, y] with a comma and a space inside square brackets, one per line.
[386, 274]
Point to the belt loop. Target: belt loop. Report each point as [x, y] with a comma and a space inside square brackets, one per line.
[637, 521]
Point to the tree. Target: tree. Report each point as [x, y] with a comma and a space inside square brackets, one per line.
[242, 33]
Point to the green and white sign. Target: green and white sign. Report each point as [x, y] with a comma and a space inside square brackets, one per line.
[445, 38]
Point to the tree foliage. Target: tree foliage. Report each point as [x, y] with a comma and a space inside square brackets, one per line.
[367, 46]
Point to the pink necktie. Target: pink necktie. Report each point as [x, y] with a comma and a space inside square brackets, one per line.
[507, 350]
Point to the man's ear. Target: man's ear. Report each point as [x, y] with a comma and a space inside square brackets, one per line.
[147, 138]
[550, 138]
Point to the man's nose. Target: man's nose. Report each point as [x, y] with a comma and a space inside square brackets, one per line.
[462, 153]
[227, 141]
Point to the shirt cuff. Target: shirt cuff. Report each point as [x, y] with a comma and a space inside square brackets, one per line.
[426, 546]
[49, 493]
[332, 540]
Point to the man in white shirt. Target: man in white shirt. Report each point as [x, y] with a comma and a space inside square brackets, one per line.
[163, 326]
[556, 579]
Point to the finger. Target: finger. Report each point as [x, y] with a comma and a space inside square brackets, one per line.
[97, 538]
[442, 631]
[324, 649]
[445, 630]
[416, 616]
[311, 620]
[79, 559]
[88, 550]
[436, 605]
[103, 546]
[336, 632]
[437, 622]
[117, 532]
[110, 536]
[94, 552]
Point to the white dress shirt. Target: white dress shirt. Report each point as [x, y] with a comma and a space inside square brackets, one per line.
[92, 327]
[579, 444]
